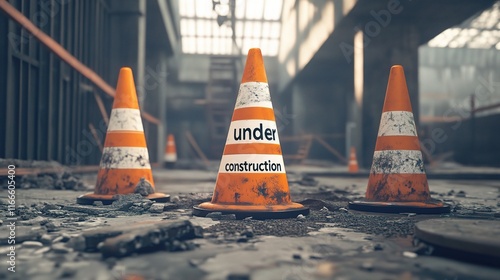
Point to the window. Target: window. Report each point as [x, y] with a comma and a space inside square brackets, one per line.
[205, 26]
[481, 32]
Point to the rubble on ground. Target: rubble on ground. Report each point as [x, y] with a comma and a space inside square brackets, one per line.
[56, 177]
[65, 236]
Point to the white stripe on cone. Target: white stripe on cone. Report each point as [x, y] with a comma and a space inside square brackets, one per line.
[397, 123]
[253, 94]
[253, 131]
[170, 157]
[252, 163]
[125, 158]
[398, 162]
[125, 119]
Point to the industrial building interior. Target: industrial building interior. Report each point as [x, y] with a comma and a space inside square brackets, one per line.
[331, 71]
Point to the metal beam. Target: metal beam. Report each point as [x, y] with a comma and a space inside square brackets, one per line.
[166, 14]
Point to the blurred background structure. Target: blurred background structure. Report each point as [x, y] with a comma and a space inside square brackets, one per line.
[327, 63]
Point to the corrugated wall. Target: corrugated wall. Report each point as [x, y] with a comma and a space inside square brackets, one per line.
[47, 106]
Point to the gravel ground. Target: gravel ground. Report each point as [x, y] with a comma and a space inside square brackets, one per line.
[371, 224]
[50, 224]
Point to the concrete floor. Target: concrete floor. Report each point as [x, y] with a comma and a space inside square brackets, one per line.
[331, 243]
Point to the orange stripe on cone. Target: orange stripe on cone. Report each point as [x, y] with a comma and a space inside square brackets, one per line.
[397, 143]
[110, 179]
[255, 113]
[125, 139]
[125, 160]
[254, 189]
[254, 148]
[252, 179]
[398, 187]
[397, 181]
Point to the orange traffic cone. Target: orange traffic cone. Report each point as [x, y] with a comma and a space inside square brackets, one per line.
[124, 167]
[353, 162]
[397, 181]
[252, 179]
[170, 152]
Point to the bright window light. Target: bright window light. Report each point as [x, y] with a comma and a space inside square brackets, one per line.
[187, 8]
[257, 30]
[481, 32]
[204, 9]
[240, 10]
[273, 10]
[275, 30]
[257, 25]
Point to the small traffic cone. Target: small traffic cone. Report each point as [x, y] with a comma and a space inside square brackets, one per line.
[353, 162]
[252, 179]
[170, 152]
[397, 181]
[124, 167]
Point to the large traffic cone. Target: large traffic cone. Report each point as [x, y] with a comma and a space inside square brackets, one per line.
[124, 167]
[252, 179]
[397, 181]
[353, 162]
[170, 152]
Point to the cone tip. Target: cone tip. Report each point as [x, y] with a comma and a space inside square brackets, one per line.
[397, 97]
[397, 69]
[254, 51]
[125, 73]
[254, 67]
[124, 70]
[125, 94]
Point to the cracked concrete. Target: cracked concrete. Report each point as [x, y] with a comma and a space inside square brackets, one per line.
[331, 243]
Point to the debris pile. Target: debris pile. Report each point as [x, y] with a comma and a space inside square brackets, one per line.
[393, 226]
[49, 175]
[57, 181]
[123, 241]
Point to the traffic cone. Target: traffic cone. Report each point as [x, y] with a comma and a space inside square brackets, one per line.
[353, 162]
[124, 167]
[397, 181]
[170, 152]
[252, 179]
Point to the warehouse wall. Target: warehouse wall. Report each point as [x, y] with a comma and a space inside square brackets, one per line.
[448, 78]
[47, 105]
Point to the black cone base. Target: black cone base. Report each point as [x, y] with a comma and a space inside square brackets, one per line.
[89, 199]
[257, 215]
[400, 207]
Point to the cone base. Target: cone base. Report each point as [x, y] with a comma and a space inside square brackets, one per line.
[106, 199]
[258, 212]
[429, 207]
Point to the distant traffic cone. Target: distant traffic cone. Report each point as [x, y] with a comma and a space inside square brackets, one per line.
[252, 179]
[397, 181]
[353, 162]
[170, 152]
[124, 167]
